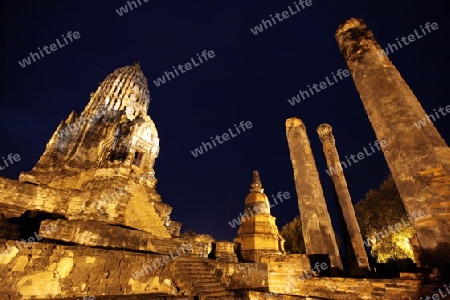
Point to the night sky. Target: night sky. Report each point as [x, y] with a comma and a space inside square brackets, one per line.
[250, 78]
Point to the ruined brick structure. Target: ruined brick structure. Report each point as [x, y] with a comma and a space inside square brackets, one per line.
[258, 234]
[95, 186]
[419, 159]
[358, 258]
[94, 224]
[105, 154]
[318, 233]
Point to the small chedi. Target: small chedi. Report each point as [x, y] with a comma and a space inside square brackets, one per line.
[87, 220]
[258, 234]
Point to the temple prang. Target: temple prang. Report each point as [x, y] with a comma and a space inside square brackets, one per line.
[111, 146]
[113, 133]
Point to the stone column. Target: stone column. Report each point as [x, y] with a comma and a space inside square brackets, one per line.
[345, 201]
[317, 230]
[418, 158]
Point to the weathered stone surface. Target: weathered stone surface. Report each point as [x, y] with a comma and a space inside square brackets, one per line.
[360, 264]
[8, 230]
[318, 233]
[69, 271]
[418, 158]
[96, 226]
[99, 164]
[252, 295]
[258, 234]
[130, 209]
[359, 288]
[284, 271]
[197, 278]
[48, 271]
[92, 233]
[114, 131]
[242, 276]
[226, 251]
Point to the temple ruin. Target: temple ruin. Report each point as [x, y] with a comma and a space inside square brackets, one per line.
[87, 220]
[258, 234]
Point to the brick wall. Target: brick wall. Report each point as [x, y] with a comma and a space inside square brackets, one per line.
[55, 271]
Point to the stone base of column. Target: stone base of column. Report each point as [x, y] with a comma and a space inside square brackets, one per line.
[318, 260]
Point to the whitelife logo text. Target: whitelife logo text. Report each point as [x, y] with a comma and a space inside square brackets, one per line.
[53, 47]
[225, 137]
[284, 15]
[187, 66]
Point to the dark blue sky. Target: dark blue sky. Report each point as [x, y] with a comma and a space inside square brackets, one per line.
[250, 78]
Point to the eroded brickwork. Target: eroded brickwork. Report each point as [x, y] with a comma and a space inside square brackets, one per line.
[347, 288]
[99, 165]
[360, 262]
[96, 226]
[54, 271]
[131, 209]
[318, 232]
[417, 158]
[113, 133]
[96, 234]
[258, 234]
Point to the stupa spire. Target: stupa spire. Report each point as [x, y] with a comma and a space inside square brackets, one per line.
[256, 185]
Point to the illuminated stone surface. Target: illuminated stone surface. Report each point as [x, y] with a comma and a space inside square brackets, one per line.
[93, 233]
[113, 137]
[419, 159]
[92, 202]
[226, 251]
[99, 165]
[60, 271]
[258, 234]
[318, 233]
[345, 201]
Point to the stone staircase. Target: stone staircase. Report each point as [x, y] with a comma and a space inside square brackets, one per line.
[195, 277]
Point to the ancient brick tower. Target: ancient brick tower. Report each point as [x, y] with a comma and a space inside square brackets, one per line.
[258, 234]
[108, 152]
[113, 136]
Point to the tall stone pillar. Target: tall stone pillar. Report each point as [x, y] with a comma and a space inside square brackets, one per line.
[345, 201]
[418, 158]
[317, 230]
